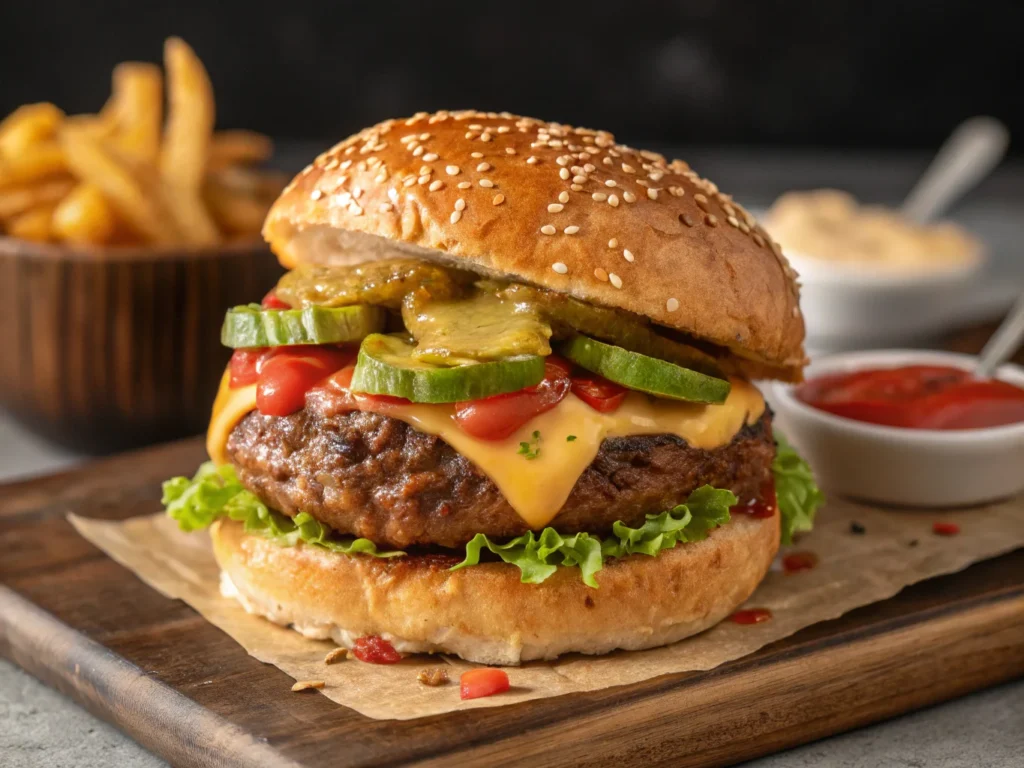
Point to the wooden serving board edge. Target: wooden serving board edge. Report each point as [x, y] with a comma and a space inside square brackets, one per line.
[868, 674]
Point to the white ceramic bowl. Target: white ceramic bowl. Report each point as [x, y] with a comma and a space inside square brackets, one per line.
[907, 467]
[856, 305]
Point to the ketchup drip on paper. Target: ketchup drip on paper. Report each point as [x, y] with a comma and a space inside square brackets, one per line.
[751, 616]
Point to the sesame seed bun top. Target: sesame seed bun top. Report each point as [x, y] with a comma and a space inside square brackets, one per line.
[561, 207]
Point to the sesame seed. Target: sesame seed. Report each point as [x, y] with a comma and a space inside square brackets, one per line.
[424, 179]
[652, 193]
[417, 152]
[562, 160]
[655, 175]
[559, 267]
[430, 157]
[615, 279]
[345, 166]
[380, 178]
[576, 179]
[498, 200]
[355, 210]
[599, 197]
[628, 255]
[487, 183]
[711, 220]
[476, 155]
[601, 275]
[575, 187]
[628, 168]
[483, 167]
[384, 207]
[470, 135]
[572, 230]
[613, 243]
[424, 136]
[393, 195]
[435, 185]
[613, 201]
[563, 197]
[733, 221]
[547, 229]
[607, 161]
[409, 181]
[589, 167]
[629, 197]
[316, 194]
[503, 129]
[509, 151]
[456, 215]
[672, 304]
[564, 173]
[555, 208]
[531, 160]
[610, 183]
[452, 170]
[759, 240]
[460, 204]
[464, 184]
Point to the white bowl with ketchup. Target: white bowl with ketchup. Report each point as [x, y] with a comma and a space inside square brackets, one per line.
[908, 428]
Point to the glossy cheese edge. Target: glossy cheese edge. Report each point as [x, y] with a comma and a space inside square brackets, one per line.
[537, 488]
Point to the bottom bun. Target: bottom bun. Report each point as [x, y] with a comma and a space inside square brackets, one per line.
[484, 613]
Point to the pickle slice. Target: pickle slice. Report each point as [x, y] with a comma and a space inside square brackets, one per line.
[643, 373]
[252, 326]
[386, 366]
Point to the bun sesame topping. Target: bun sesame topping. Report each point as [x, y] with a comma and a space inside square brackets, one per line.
[562, 207]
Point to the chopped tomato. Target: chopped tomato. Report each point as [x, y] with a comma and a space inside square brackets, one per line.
[339, 385]
[245, 365]
[374, 649]
[597, 392]
[497, 417]
[484, 681]
[270, 301]
[285, 377]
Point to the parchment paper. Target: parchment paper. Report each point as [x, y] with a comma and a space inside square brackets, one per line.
[854, 570]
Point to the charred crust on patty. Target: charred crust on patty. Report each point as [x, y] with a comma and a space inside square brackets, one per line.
[371, 475]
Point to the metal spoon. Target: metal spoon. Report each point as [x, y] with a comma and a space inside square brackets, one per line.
[1004, 342]
[973, 149]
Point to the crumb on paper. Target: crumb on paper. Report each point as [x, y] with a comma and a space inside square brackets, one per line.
[857, 528]
[433, 676]
[338, 654]
[308, 685]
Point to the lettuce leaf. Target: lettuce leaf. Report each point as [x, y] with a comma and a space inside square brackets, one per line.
[538, 556]
[798, 495]
[214, 492]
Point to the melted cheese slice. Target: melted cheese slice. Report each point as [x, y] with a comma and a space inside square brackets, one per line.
[537, 488]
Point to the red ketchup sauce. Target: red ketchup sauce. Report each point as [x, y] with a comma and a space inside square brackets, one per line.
[751, 616]
[916, 397]
[764, 506]
[374, 649]
[945, 529]
[795, 562]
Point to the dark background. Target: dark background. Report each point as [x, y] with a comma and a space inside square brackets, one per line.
[833, 73]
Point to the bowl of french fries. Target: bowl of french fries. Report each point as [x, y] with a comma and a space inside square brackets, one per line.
[124, 236]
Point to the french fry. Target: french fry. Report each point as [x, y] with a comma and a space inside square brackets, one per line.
[264, 185]
[34, 224]
[28, 125]
[34, 162]
[138, 110]
[230, 148]
[132, 192]
[84, 217]
[187, 142]
[236, 214]
[17, 200]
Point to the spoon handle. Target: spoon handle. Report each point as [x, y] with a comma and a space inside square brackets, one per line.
[973, 149]
[1004, 342]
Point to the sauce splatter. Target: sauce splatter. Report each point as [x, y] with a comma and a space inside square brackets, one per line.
[764, 506]
[799, 561]
[945, 529]
[751, 616]
[374, 649]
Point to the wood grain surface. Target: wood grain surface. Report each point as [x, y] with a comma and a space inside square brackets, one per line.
[108, 349]
[182, 688]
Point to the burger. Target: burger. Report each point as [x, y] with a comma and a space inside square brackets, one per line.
[501, 404]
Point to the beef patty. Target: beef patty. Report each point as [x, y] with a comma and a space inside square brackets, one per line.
[372, 475]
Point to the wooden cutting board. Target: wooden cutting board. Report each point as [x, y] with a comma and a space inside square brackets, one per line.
[182, 688]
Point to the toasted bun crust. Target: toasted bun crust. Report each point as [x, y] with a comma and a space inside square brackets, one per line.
[627, 229]
[484, 613]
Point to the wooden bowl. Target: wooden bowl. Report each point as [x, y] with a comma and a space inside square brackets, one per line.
[113, 348]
